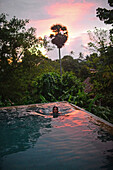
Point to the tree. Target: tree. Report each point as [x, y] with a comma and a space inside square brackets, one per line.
[106, 15]
[15, 40]
[102, 62]
[99, 40]
[50, 87]
[59, 38]
[102, 45]
[69, 64]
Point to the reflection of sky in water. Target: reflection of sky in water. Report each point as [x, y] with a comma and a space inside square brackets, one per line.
[76, 141]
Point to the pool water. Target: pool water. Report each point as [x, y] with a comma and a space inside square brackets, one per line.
[75, 140]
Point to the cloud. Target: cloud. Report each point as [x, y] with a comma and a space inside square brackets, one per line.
[72, 10]
[76, 45]
[72, 15]
[25, 9]
[69, 14]
[77, 15]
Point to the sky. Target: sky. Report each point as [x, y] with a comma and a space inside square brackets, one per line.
[78, 16]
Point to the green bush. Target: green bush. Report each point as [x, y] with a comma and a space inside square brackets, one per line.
[103, 112]
[53, 88]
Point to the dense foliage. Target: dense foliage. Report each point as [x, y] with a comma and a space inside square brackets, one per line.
[26, 76]
[106, 15]
[18, 66]
[60, 35]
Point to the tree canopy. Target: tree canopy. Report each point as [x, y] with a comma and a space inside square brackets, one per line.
[14, 39]
[60, 35]
[101, 61]
[106, 15]
[18, 66]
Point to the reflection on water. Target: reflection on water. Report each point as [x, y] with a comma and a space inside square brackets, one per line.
[73, 141]
[20, 134]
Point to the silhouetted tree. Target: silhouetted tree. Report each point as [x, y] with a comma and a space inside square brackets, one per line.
[106, 15]
[59, 38]
[15, 39]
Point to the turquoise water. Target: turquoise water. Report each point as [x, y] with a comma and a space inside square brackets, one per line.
[69, 142]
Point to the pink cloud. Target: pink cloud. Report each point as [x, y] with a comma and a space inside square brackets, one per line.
[94, 19]
[78, 45]
[72, 15]
[69, 11]
[69, 14]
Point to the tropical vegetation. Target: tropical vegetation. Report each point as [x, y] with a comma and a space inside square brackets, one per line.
[27, 76]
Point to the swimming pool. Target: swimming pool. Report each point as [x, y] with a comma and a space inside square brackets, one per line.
[75, 140]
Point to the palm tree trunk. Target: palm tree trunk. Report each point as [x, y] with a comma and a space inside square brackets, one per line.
[60, 63]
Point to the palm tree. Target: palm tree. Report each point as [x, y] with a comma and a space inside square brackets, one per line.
[59, 38]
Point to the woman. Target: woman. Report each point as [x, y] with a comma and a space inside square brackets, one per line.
[55, 112]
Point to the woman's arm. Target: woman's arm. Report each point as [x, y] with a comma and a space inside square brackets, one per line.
[35, 113]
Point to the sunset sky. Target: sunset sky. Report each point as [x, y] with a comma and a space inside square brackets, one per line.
[78, 16]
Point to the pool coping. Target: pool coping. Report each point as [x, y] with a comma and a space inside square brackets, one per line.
[105, 125]
[96, 117]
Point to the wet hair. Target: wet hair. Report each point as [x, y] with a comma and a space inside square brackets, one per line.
[54, 108]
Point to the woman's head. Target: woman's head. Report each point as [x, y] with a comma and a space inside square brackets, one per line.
[55, 109]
